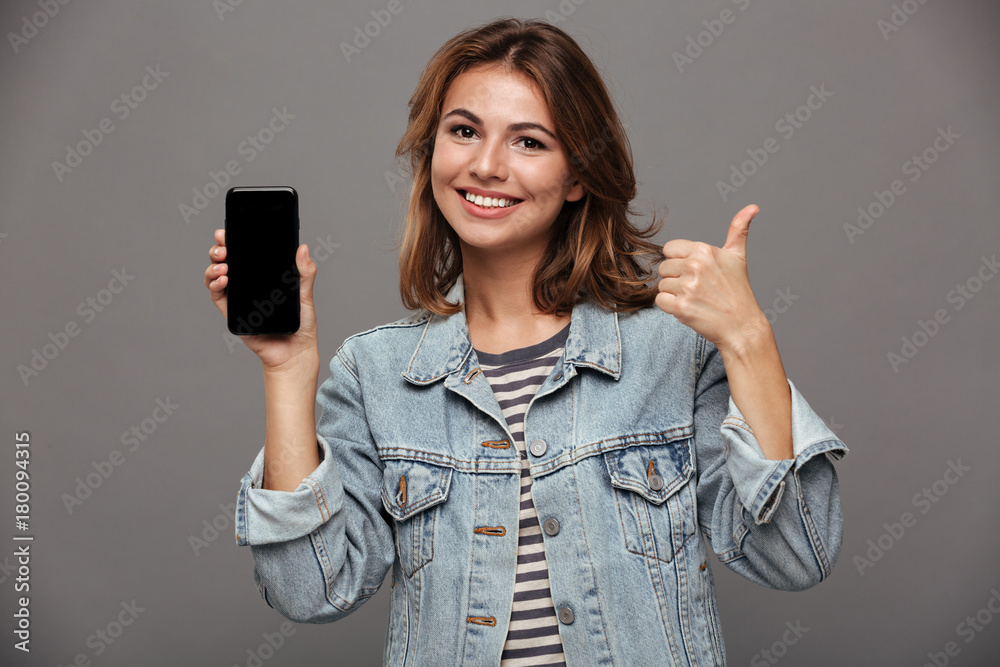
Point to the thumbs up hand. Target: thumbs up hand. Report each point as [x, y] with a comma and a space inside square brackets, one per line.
[708, 288]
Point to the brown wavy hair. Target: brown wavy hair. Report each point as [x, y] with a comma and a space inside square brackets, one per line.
[595, 252]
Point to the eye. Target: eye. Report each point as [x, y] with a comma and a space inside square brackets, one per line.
[532, 144]
[458, 130]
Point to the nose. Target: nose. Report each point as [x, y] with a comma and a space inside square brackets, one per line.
[489, 160]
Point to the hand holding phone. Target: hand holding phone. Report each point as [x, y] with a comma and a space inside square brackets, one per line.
[276, 352]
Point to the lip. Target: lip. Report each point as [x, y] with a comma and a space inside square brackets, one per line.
[479, 211]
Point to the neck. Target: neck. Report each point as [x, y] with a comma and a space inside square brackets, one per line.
[499, 308]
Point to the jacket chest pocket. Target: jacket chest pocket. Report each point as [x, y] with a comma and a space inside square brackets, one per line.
[412, 493]
[654, 493]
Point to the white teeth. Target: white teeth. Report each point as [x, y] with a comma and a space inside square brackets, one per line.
[489, 202]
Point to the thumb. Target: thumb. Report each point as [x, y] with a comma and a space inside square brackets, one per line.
[739, 229]
[307, 272]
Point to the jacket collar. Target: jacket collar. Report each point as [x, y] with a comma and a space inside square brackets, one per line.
[594, 340]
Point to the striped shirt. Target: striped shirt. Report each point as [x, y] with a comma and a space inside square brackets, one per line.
[533, 633]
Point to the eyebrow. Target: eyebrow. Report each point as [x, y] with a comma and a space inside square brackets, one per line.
[513, 127]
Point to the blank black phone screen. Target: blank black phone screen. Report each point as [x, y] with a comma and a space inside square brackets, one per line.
[262, 232]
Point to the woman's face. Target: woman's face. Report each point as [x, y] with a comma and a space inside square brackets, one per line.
[495, 140]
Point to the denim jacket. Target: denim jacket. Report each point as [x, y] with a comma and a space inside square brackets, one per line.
[636, 450]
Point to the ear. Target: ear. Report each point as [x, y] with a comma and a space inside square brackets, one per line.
[576, 192]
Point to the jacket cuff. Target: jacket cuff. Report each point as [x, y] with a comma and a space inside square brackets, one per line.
[759, 481]
[265, 516]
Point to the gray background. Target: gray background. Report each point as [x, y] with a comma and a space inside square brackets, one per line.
[161, 338]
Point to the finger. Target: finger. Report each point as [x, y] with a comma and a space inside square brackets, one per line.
[217, 253]
[678, 248]
[217, 288]
[670, 286]
[670, 268]
[220, 236]
[666, 302]
[213, 273]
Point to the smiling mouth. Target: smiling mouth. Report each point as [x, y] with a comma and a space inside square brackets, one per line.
[489, 202]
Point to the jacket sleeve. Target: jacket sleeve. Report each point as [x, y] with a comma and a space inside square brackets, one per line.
[777, 523]
[322, 550]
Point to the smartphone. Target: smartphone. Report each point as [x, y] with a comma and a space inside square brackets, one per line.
[262, 235]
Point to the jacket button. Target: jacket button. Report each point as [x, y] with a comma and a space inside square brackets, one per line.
[551, 527]
[655, 482]
[538, 447]
[566, 615]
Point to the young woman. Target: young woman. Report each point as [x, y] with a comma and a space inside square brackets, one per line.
[536, 452]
